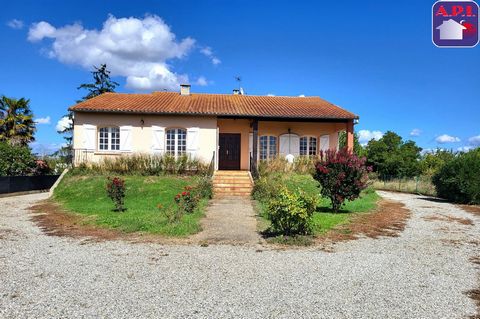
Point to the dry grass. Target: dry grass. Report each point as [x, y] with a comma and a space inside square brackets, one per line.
[388, 220]
[54, 221]
[301, 165]
[421, 186]
[449, 218]
[473, 209]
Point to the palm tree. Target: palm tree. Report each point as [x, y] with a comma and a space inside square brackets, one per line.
[16, 121]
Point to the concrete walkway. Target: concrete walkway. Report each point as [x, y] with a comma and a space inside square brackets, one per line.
[229, 220]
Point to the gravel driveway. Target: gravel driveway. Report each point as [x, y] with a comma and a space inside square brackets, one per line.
[423, 273]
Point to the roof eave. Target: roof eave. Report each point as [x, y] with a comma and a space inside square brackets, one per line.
[353, 117]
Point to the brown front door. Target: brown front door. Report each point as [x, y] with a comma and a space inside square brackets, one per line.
[229, 151]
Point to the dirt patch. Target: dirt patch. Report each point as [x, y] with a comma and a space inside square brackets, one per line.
[449, 218]
[471, 209]
[389, 219]
[475, 295]
[54, 221]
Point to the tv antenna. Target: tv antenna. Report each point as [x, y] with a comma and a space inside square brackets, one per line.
[238, 78]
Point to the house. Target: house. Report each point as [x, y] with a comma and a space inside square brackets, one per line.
[233, 131]
[451, 30]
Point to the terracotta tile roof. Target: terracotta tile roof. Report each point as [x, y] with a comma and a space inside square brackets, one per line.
[215, 104]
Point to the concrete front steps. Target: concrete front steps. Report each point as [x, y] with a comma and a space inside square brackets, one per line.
[232, 183]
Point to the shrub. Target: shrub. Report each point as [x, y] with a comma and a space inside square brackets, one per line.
[290, 213]
[342, 176]
[173, 214]
[459, 179]
[116, 192]
[186, 201]
[266, 187]
[15, 160]
[41, 168]
[203, 187]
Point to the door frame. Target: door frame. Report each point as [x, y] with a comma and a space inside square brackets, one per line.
[239, 152]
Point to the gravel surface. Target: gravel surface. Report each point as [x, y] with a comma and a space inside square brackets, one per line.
[423, 273]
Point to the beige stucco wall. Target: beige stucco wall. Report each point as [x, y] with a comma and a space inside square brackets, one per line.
[142, 135]
[277, 129]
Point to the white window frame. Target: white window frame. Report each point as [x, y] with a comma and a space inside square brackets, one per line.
[177, 151]
[309, 148]
[113, 142]
[268, 154]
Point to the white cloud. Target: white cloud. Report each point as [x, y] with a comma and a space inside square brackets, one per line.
[15, 24]
[63, 123]
[445, 138]
[207, 51]
[301, 95]
[465, 148]
[365, 136]
[201, 81]
[270, 94]
[138, 49]
[415, 132]
[474, 140]
[43, 120]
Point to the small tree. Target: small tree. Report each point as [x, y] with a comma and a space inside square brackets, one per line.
[342, 176]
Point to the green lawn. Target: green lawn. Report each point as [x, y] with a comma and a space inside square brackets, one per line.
[86, 195]
[323, 219]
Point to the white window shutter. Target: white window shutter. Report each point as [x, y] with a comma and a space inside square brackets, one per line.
[283, 145]
[324, 142]
[89, 137]
[125, 138]
[294, 145]
[289, 144]
[192, 141]
[158, 139]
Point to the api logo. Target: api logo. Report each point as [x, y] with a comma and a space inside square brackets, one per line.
[455, 24]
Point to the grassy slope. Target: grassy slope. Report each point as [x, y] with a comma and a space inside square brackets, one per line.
[86, 195]
[323, 219]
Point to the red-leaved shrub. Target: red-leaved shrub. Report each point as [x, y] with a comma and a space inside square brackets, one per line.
[342, 176]
[116, 192]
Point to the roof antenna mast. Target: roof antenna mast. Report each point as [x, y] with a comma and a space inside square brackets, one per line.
[238, 78]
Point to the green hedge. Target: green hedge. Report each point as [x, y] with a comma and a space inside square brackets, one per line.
[459, 179]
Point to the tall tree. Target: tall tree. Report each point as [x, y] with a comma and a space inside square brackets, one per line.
[101, 84]
[391, 157]
[17, 126]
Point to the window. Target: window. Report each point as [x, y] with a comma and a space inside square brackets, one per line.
[109, 139]
[268, 147]
[176, 142]
[308, 145]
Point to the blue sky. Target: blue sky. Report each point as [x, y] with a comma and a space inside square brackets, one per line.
[373, 58]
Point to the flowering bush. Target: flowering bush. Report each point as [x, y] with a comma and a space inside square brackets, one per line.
[41, 168]
[187, 200]
[342, 176]
[290, 213]
[116, 192]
